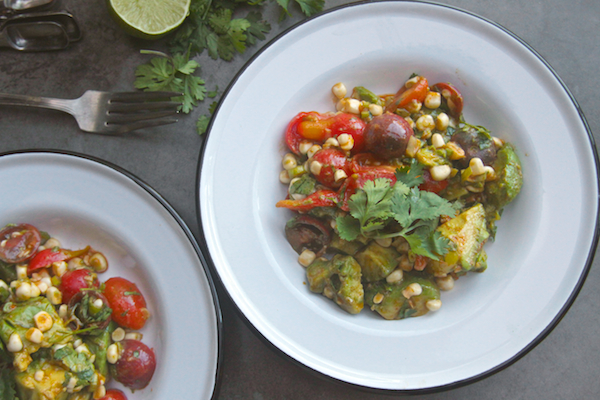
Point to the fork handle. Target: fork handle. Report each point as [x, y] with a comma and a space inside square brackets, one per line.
[65, 105]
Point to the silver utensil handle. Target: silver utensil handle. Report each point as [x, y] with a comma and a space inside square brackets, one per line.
[65, 105]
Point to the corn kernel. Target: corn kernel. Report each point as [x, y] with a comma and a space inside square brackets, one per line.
[15, 344]
[34, 335]
[442, 121]
[433, 304]
[346, 141]
[43, 321]
[395, 276]
[414, 289]
[375, 109]
[440, 172]
[437, 140]
[433, 100]
[425, 122]
[339, 90]
[306, 257]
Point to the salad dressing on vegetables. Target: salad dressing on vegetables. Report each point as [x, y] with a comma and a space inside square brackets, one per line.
[395, 196]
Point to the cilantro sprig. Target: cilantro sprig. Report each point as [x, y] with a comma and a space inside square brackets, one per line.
[174, 74]
[381, 210]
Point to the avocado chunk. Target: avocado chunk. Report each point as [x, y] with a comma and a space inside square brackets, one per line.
[503, 190]
[338, 279]
[377, 262]
[468, 233]
[388, 300]
[50, 387]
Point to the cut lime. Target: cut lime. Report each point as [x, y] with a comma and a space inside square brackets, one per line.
[149, 19]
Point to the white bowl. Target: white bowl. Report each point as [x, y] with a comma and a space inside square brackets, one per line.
[546, 238]
[83, 201]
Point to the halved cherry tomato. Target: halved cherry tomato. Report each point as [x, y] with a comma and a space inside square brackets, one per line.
[127, 302]
[320, 198]
[358, 179]
[18, 243]
[418, 92]
[351, 125]
[75, 280]
[431, 185]
[451, 98]
[308, 232]
[114, 394]
[136, 364]
[331, 160]
[318, 127]
[306, 126]
[46, 257]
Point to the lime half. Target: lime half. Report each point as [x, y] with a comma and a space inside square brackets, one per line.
[149, 19]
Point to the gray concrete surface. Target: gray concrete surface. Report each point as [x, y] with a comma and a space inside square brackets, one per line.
[566, 365]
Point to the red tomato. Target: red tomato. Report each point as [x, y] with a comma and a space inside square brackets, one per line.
[451, 96]
[18, 243]
[431, 185]
[404, 96]
[114, 394]
[358, 179]
[127, 302]
[318, 127]
[320, 198]
[46, 257]
[351, 125]
[75, 280]
[331, 159]
[136, 364]
[305, 126]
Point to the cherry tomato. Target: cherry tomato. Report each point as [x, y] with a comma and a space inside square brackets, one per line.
[318, 127]
[305, 126]
[320, 198]
[451, 98]
[88, 314]
[75, 280]
[331, 160]
[358, 179]
[114, 394]
[127, 302]
[387, 136]
[136, 364]
[352, 125]
[417, 92]
[308, 232]
[46, 257]
[18, 243]
[431, 185]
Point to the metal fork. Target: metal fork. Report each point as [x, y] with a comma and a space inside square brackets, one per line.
[106, 112]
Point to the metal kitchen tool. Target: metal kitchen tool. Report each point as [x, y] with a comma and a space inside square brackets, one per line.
[23, 5]
[63, 18]
[34, 36]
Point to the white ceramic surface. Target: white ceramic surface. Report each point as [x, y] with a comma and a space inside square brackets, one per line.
[545, 238]
[81, 202]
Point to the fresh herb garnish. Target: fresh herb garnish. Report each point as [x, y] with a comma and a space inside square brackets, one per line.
[175, 74]
[381, 210]
[213, 26]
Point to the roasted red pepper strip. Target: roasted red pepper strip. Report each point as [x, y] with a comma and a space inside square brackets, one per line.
[451, 96]
[46, 257]
[404, 96]
[320, 198]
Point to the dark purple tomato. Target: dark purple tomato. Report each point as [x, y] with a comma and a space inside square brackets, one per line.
[307, 232]
[475, 143]
[18, 243]
[136, 364]
[387, 136]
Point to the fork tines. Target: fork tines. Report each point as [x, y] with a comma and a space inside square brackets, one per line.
[138, 110]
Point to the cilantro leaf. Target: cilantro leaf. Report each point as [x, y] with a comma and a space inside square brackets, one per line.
[411, 175]
[382, 210]
[348, 227]
[174, 74]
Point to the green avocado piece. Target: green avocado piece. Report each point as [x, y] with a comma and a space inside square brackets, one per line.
[377, 262]
[393, 304]
[503, 190]
[338, 279]
[468, 233]
[344, 246]
[50, 387]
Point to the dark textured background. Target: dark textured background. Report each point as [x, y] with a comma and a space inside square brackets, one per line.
[564, 366]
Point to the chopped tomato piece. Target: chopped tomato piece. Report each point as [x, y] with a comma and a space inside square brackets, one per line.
[320, 198]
